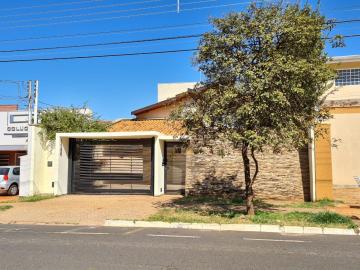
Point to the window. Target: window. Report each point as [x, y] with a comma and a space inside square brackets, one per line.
[4, 171]
[4, 159]
[16, 171]
[348, 77]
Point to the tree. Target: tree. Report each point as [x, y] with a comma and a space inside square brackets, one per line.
[266, 74]
[72, 119]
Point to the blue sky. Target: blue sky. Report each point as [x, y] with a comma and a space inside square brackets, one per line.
[113, 87]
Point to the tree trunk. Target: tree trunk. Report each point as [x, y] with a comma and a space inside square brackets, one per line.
[249, 194]
[249, 181]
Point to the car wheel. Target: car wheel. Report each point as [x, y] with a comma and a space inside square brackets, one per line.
[13, 190]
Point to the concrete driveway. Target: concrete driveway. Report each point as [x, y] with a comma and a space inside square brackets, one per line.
[83, 209]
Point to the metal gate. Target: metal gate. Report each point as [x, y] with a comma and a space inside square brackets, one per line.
[4, 159]
[111, 166]
[175, 168]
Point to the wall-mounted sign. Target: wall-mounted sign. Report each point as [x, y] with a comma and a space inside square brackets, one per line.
[17, 124]
[17, 129]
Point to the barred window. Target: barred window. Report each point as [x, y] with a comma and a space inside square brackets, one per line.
[348, 77]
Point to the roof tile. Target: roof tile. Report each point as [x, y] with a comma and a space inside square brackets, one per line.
[167, 127]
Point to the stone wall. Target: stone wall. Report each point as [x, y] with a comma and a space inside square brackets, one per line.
[282, 176]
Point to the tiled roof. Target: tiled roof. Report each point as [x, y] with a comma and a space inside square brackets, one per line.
[166, 127]
[8, 108]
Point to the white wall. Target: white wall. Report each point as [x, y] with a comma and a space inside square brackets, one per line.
[169, 90]
[159, 173]
[61, 169]
[36, 176]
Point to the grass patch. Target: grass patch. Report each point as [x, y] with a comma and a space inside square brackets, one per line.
[321, 219]
[318, 204]
[5, 207]
[36, 198]
[189, 216]
[295, 218]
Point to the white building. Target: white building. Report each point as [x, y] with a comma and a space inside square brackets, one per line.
[13, 134]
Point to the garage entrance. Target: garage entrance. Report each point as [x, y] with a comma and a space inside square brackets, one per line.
[111, 166]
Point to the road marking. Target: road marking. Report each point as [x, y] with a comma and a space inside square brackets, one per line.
[173, 236]
[275, 240]
[79, 233]
[133, 231]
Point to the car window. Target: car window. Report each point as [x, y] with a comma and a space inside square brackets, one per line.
[4, 171]
[16, 171]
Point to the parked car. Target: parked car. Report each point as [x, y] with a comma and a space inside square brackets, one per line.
[9, 179]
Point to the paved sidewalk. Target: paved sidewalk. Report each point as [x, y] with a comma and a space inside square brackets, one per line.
[6, 198]
[350, 211]
[83, 209]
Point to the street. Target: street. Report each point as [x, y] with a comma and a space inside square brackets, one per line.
[74, 247]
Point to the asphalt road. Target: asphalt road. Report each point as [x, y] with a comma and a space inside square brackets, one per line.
[68, 247]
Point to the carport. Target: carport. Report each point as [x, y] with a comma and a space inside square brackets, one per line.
[114, 163]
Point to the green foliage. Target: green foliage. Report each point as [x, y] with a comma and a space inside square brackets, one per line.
[72, 119]
[266, 73]
[322, 219]
[35, 198]
[266, 76]
[326, 218]
[295, 218]
[318, 204]
[5, 207]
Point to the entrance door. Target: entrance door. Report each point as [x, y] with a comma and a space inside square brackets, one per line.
[111, 166]
[175, 168]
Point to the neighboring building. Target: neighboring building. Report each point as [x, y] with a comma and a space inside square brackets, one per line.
[13, 134]
[145, 155]
[337, 154]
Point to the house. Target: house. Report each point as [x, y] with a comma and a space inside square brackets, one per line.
[144, 155]
[337, 165]
[13, 134]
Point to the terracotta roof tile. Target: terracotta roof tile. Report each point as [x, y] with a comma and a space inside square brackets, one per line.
[167, 127]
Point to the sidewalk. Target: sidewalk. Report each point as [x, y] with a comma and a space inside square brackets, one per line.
[82, 209]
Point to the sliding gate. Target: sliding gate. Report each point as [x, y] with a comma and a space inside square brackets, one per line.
[112, 166]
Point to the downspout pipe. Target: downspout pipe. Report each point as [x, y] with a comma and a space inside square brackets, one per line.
[312, 164]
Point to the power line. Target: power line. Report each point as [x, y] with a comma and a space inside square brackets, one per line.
[47, 104]
[109, 12]
[105, 50]
[80, 8]
[103, 44]
[122, 17]
[124, 31]
[90, 14]
[96, 56]
[345, 21]
[52, 5]
[344, 36]
[118, 55]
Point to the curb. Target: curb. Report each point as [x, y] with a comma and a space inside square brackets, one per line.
[231, 227]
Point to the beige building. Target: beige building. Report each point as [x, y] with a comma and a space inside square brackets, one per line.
[337, 154]
[144, 155]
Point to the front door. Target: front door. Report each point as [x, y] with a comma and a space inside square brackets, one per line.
[175, 168]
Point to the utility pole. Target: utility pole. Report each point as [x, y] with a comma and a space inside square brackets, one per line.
[178, 6]
[29, 86]
[36, 101]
